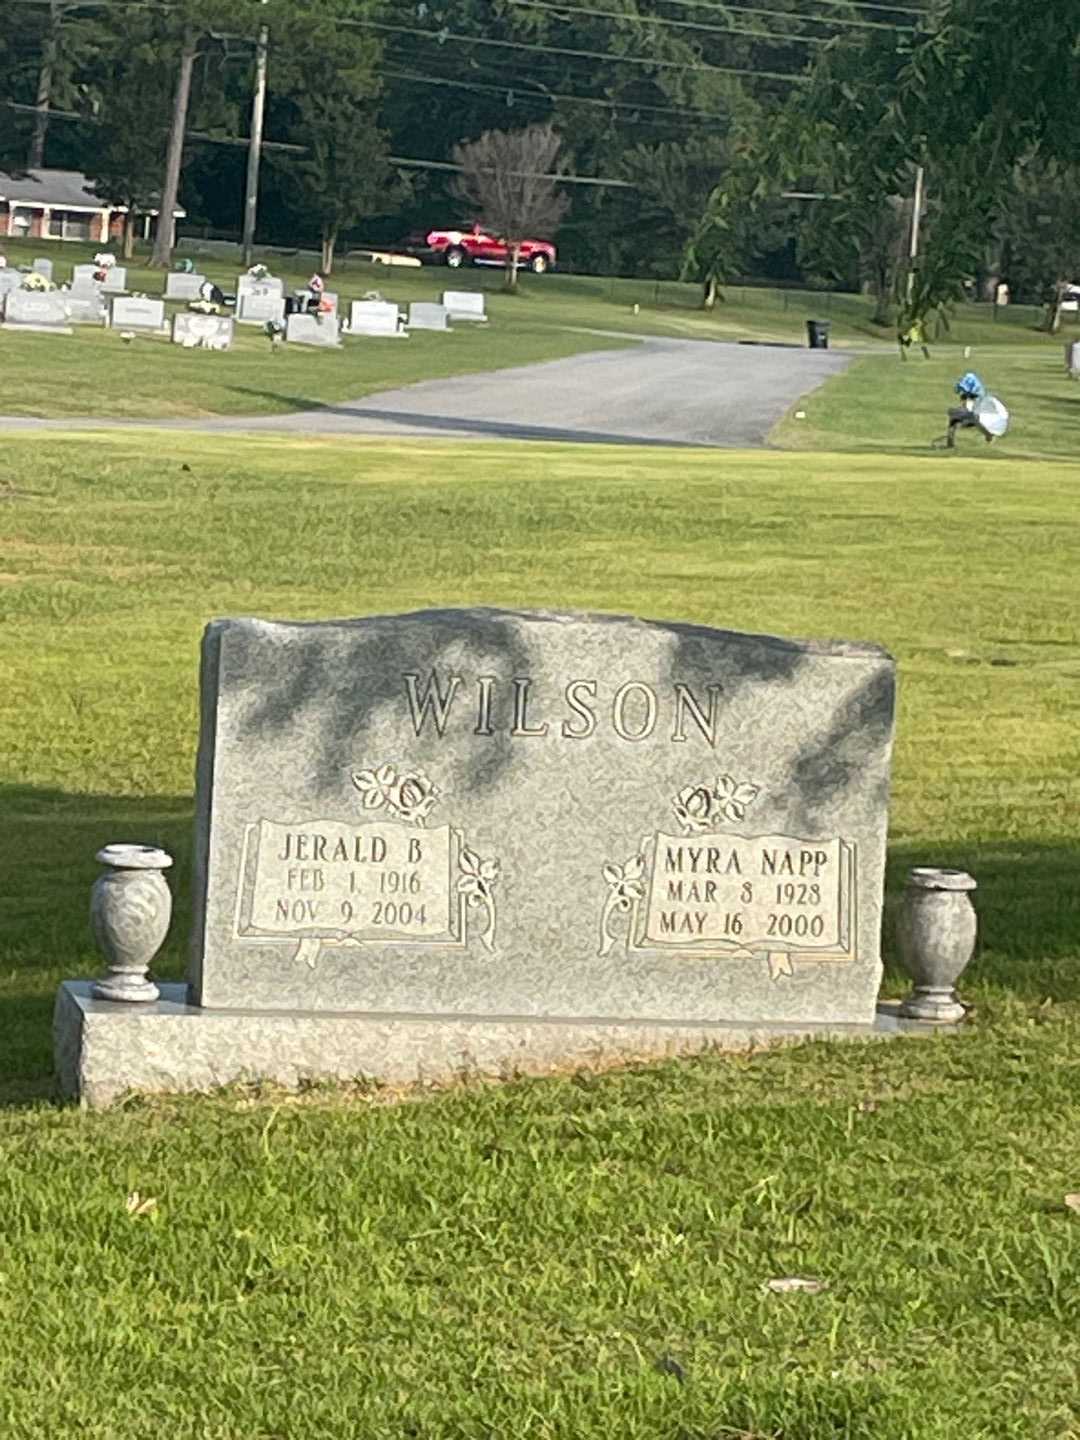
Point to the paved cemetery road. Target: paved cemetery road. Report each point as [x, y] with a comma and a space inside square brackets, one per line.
[660, 392]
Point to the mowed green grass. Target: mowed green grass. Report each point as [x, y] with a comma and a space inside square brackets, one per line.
[96, 373]
[579, 1256]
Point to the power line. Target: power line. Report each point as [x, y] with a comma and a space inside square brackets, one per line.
[442, 36]
[549, 96]
[922, 11]
[608, 181]
[787, 15]
[198, 135]
[680, 24]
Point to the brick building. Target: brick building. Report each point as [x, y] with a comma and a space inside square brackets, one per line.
[61, 205]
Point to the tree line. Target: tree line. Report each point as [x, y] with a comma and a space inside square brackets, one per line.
[779, 138]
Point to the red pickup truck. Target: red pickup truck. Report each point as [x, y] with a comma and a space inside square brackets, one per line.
[473, 245]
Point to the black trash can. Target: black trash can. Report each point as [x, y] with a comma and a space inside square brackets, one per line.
[817, 334]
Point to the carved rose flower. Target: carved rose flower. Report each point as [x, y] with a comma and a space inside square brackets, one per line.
[376, 786]
[477, 877]
[413, 797]
[694, 806]
[627, 882]
[733, 798]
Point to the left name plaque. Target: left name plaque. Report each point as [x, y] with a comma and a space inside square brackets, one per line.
[325, 880]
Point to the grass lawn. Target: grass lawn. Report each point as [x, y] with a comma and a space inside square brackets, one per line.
[582, 1256]
[96, 373]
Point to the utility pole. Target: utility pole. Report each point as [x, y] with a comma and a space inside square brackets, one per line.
[258, 106]
[916, 218]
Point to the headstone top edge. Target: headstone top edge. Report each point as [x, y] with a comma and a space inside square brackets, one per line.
[825, 649]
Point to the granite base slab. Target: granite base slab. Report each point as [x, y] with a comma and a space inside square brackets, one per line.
[105, 1050]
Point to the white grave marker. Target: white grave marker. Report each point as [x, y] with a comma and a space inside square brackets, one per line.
[137, 312]
[202, 332]
[45, 310]
[428, 317]
[183, 285]
[310, 329]
[379, 318]
[465, 304]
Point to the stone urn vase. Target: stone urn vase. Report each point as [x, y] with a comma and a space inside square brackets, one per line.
[130, 910]
[936, 930]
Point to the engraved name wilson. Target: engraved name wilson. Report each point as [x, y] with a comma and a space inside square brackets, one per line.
[488, 705]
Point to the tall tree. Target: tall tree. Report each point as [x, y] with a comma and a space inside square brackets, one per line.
[1040, 232]
[59, 51]
[508, 175]
[187, 26]
[132, 125]
[328, 77]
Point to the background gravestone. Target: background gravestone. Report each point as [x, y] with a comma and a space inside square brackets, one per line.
[202, 332]
[115, 282]
[45, 310]
[263, 282]
[424, 316]
[137, 312]
[376, 318]
[183, 285]
[257, 304]
[307, 329]
[86, 303]
[557, 818]
[9, 280]
[43, 266]
[465, 304]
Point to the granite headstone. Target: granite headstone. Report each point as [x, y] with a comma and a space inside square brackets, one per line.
[137, 312]
[183, 285]
[115, 282]
[311, 329]
[254, 284]
[258, 303]
[202, 332]
[424, 316]
[465, 304]
[557, 818]
[43, 266]
[45, 310]
[378, 318]
[86, 304]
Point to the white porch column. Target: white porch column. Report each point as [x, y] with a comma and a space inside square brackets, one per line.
[12, 207]
[46, 222]
[103, 236]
